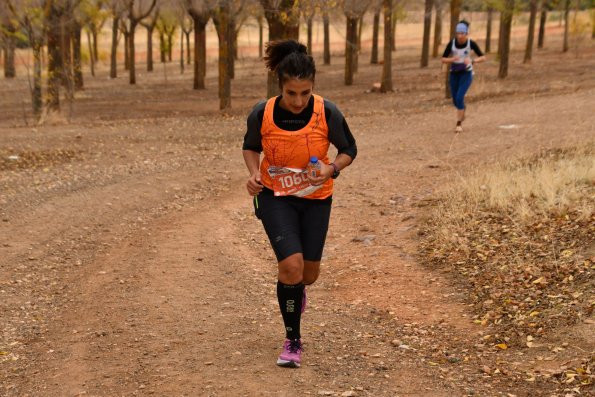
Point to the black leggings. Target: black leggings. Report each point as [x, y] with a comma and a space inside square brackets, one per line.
[294, 224]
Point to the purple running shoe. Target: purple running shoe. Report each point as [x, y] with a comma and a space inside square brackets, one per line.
[291, 356]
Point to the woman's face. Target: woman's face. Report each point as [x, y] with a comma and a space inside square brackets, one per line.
[461, 37]
[296, 94]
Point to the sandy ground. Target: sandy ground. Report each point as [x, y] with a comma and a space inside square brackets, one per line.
[131, 262]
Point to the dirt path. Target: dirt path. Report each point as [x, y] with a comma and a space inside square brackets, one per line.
[135, 265]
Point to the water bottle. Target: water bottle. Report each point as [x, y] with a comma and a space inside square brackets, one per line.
[313, 168]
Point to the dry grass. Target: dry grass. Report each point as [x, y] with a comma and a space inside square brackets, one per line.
[520, 236]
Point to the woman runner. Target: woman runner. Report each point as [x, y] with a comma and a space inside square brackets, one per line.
[294, 207]
[458, 54]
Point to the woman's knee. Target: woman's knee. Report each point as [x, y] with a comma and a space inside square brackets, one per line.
[291, 269]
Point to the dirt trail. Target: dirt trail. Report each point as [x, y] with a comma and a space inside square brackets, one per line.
[139, 268]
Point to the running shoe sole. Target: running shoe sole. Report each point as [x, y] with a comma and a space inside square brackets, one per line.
[287, 364]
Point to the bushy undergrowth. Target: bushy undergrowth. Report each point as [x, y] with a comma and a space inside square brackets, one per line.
[520, 239]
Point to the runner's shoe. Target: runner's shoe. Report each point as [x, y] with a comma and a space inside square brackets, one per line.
[459, 129]
[304, 301]
[291, 357]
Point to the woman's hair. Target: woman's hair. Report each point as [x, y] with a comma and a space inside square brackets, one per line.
[289, 60]
[464, 21]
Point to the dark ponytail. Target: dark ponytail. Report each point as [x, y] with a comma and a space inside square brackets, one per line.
[289, 60]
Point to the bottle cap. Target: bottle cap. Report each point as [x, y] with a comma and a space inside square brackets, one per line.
[314, 159]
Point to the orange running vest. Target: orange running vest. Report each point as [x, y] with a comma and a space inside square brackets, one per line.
[293, 149]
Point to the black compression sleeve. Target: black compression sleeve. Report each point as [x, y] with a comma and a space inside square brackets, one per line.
[253, 139]
[447, 50]
[339, 133]
[476, 49]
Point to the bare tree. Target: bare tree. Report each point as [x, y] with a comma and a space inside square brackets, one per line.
[308, 9]
[455, 12]
[200, 14]
[438, 5]
[222, 19]
[283, 19]
[565, 46]
[531, 32]
[149, 23]
[326, 7]
[137, 11]
[542, 21]
[8, 36]
[490, 17]
[118, 12]
[386, 82]
[353, 9]
[425, 49]
[31, 20]
[377, 8]
[504, 45]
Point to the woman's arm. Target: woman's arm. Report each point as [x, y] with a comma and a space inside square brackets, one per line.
[252, 160]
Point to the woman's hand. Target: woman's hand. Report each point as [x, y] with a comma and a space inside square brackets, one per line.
[254, 186]
[326, 171]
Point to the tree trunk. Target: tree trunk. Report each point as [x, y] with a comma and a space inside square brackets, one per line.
[542, 22]
[327, 39]
[386, 81]
[162, 44]
[188, 53]
[67, 74]
[170, 45]
[531, 33]
[504, 46]
[126, 50]
[425, 48]
[9, 53]
[260, 37]
[566, 20]
[350, 48]
[150, 47]
[95, 49]
[437, 29]
[181, 52]
[54, 43]
[232, 53]
[200, 63]
[489, 30]
[113, 72]
[36, 99]
[76, 55]
[224, 25]
[358, 49]
[309, 24]
[132, 56]
[375, 30]
[91, 57]
[455, 12]
[394, 34]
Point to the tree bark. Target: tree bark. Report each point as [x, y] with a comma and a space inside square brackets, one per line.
[162, 47]
[188, 53]
[489, 30]
[54, 44]
[542, 22]
[566, 46]
[9, 53]
[66, 34]
[132, 55]
[531, 32]
[386, 81]
[375, 31]
[200, 45]
[113, 73]
[76, 55]
[327, 39]
[91, 56]
[504, 47]
[150, 47]
[425, 48]
[223, 25]
[437, 28]
[95, 46]
[260, 36]
[309, 25]
[181, 51]
[350, 48]
[394, 33]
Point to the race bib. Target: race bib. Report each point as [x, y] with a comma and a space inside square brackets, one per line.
[291, 182]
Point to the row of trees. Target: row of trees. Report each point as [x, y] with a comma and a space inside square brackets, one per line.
[59, 24]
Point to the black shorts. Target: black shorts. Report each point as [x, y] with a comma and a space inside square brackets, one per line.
[294, 224]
